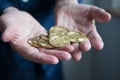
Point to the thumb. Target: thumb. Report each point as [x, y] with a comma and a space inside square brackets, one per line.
[7, 34]
[99, 14]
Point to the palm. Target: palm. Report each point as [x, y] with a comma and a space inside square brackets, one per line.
[19, 29]
[82, 18]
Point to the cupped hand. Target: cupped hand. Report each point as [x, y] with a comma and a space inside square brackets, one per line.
[17, 27]
[81, 17]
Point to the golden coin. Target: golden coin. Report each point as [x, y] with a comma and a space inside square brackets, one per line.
[76, 36]
[44, 37]
[58, 41]
[58, 31]
[34, 41]
[58, 28]
[58, 37]
[45, 43]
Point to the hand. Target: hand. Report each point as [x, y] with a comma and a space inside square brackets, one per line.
[81, 17]
[18, 27]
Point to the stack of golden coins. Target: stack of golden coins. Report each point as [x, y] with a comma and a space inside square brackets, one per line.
[57, 37]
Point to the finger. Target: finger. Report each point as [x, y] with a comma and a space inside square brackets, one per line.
[63, 55]
[33, 54]
[68, 48]
[40, 57]
[77, 55]
[99, 14]
[95, 39]
[85, 46]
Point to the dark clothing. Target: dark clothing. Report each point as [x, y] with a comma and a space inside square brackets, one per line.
[13, 66]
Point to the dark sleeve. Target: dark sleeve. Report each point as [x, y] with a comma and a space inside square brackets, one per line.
[80, 1]
[3, 5]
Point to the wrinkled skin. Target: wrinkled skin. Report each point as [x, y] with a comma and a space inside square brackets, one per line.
[18, 26]
[81, 17]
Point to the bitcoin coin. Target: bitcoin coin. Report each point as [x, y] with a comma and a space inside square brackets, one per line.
[76, 36]
[44, 37]
[58, 31]
[58, 28]
[45, 43]
[58, 41]
[34, 41]
[57, 37]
